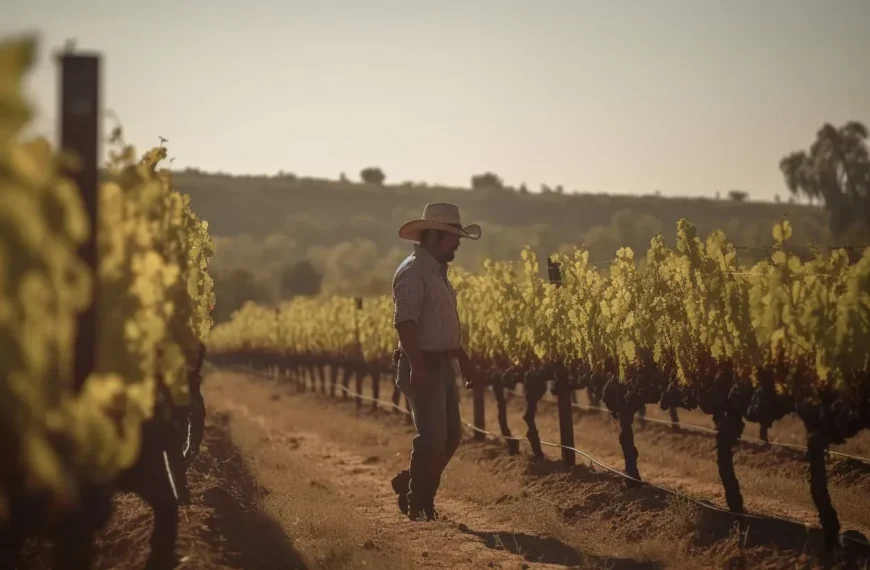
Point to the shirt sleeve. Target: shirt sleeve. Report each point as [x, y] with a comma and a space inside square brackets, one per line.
[408, 288]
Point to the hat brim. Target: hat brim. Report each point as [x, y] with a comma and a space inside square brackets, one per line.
[411, 230]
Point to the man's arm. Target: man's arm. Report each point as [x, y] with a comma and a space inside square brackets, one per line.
[408, 337]
[408, 292]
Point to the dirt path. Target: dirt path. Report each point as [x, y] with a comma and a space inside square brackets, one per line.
[223, 527]
[301, 481]
[773, 481]
[274, 431]
[326, 465]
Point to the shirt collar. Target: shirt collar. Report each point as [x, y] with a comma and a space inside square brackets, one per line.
[429, 261]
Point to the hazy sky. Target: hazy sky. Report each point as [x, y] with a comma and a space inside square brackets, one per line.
[619, 96]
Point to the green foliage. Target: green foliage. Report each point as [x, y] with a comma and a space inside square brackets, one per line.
[300, 278]
[262, 225]
[372, 175]
[155, 295]
[835, 170]
[686, 313]
[235, 288]
[284, 175]
[738, 195]
[486, 181]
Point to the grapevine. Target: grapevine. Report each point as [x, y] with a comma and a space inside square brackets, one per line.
[685, 327]
[65, 450]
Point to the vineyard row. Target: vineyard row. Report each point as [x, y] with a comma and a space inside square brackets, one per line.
[687, 328]
[105, 308]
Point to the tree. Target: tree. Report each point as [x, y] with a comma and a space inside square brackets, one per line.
[372, 175]
[234, 289]
[738, 195]
[836, 171]
[300, 278]
[487, 180]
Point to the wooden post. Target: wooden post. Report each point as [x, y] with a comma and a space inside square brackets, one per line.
[359, 367]
[359, 372]
[566, 421]
[79, 135]
[277, 353]
[561, 387]
[554, 272]
[478, 402]
[376, 386]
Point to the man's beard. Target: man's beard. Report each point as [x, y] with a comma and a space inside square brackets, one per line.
[448, 256]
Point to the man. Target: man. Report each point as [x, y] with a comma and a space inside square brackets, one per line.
[430, 346]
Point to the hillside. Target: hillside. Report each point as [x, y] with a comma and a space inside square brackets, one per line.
[345, 232]
[260, 205]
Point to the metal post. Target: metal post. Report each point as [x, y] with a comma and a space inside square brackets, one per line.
[359, 367]
[278, 351]
[562, 389]
[79, 135]
[479, 409]
[554, 272]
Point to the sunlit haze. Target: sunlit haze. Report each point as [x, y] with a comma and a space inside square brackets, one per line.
[687, 97]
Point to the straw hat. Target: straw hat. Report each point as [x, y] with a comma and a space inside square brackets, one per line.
[439, 216]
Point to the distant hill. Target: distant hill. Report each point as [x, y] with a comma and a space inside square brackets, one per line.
[258, 206]
[348, 230]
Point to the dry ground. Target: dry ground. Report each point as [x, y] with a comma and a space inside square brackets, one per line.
[501, 511]
[774, 480]
[290, 480]
[224, 527]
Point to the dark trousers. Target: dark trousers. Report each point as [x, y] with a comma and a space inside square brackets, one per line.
[435, 409]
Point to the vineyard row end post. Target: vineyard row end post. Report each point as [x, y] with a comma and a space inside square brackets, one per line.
[80, 136]
[360, 369]
[478, 403]
[563, 390]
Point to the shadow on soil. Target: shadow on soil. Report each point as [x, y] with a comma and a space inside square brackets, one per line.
[607, 494]
[249, 538]
[852, 551]
[552, 551]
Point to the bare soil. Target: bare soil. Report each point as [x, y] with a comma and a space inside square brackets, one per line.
[508, 512]
[773, 480]
[291, 480]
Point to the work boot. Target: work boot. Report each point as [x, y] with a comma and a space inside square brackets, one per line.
[418, 514]
[431, 513]
[420, 510]
[400, 486]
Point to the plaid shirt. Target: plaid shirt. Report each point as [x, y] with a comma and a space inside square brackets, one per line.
[423, 293]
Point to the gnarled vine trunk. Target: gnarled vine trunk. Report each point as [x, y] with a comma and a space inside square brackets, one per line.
[817, 447]
[535, 390]
[513, 445]
[626, 441]
[730, 428]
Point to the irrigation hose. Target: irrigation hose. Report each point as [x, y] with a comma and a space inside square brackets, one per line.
[592, 460]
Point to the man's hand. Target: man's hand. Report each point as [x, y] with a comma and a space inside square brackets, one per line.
[469, 375]
[467, 368]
